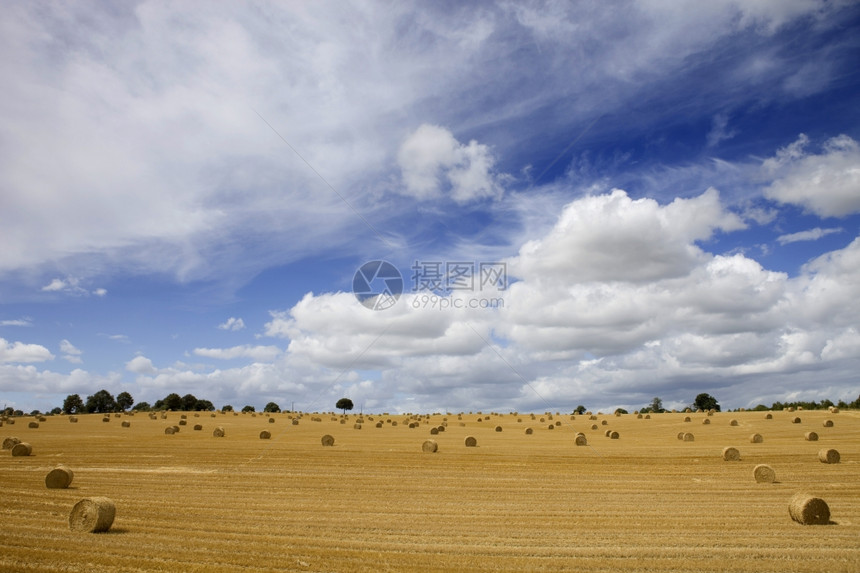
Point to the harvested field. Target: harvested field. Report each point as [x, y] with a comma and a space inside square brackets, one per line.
[374, 501]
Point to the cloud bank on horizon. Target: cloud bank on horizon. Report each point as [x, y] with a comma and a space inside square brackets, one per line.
[673, 190]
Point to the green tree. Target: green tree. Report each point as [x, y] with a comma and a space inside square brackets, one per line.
[56, 411]
[142, 407]
[124, 401]
[272, 407]
[189, 403]
[248, 409]
[73, 404]
[706, 402]
[204, 406]
[656, 406]
[226, 408]
[344, 404]
[101, 402]
[580, 410]
[172, 401]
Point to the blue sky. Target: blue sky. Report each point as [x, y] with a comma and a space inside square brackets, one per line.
[673, 188]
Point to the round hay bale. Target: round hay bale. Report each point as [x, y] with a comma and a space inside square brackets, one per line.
[271, 420]
[834, 410]
[768, 417]
[731, 454]
[827, 423]
[183, 416]
[176, 429]
[295, 422]
[551, 427]
[106, 419]
[688, 419]
[33, 425]
[763, 473]
[828, 456]
[126, 424]
[183, 422]
[218, 432]
[429, 446]
[680, 435]
[756, 439]
[795, 420]
[614, 436]
[733, 423]
[706, 421]
[198, 427]
[379, 424]
[92, 515]
[73, 419]
[711, 412]
[581, 440]
[22, 450]
[809, 510]
[264, 435]
[169, 431]
[498, 428]
[607, 432]
[811, 436]
[10, 421]
[356, 426]
[59, 478]
[688, 437]
[638, 416]
[593, 426]
[327, 440]
[604, 422]
[529, 431]
[471, 442]
[434, 431]
[442, 427]
[592, 416]
[647, 416]
[9, 443]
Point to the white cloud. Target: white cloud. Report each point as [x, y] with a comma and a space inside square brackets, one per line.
[232, 324]
[70, 352]
[140, 365]
[827, 184]
[21, 352]
[71, 285]
[809, 235]
[258, 353]
[432, 161]
[100, 292]
[17, 322]
[719, 131]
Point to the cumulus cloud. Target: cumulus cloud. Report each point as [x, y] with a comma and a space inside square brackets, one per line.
[826, 183]
[232, 324]
[70, 352]
[809, 235]
[140, 365]
[22, 352]
[432, 162]
[259, 353]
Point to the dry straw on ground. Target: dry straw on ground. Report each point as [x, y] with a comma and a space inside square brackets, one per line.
[809, 510]
[430, 446]
[828, 456]
[471, 442]
[756, 439]
[22, 450]
[92, 515]
[763, 473]
[59, 478]
[218, 432]
[327, 440]
[731, 454]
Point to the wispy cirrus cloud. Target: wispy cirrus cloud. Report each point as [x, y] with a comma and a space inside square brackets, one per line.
[809, 235]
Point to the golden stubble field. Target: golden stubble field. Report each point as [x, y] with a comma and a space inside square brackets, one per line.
[376, 502]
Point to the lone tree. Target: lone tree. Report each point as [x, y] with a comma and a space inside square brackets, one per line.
[272, 407]
[101, 402]
[656, 406]
[73, 404]
[706, 402]
[579, 410]
[124, 401]
[344, 404]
